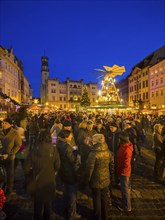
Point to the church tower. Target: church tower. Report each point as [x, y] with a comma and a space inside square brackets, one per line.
[44, 79]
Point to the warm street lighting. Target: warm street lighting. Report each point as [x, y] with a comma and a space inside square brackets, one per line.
[36, 101]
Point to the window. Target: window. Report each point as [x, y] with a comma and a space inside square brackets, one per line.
[53, 98]
[139, 85]
[60, 98]
[152, 83]
[135, 87]
[146, 83]
[161, 80]
[143, 96]
[53, 91]
[146, 95]
[143, 84]
[157, 82]
[161, 93]
[152, 94]
[156, 93]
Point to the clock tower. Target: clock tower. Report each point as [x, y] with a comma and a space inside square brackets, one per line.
[44, 79]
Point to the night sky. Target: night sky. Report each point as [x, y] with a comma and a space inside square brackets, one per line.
[80, 36]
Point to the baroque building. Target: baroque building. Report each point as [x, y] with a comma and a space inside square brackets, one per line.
[157, 85]
[146, 81]
[123, 90]
[65, 95]
[13, 82]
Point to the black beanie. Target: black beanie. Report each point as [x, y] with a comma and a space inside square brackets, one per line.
[67, 123]
[9, 120]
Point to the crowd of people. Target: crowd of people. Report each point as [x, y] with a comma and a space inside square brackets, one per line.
[84, 152]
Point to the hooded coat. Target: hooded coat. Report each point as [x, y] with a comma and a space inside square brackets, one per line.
[45, 162]
[11, 142]
[99, 166]
[67, 172]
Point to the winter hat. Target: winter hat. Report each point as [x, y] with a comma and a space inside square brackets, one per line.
[124, 136]
[67, 123]
[9, 120]
[89, 122]
[113, 124]
[128, 122]
[99, 122]
[98, 138]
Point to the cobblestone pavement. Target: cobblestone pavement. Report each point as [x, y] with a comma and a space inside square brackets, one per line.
[147, 196]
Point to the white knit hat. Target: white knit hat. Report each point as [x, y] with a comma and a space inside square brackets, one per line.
[98, 138]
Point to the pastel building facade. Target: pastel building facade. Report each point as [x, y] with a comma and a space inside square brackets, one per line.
[13, 82]
[157, 85]
[146, 82]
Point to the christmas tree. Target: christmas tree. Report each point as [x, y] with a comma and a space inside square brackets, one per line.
[85, 101]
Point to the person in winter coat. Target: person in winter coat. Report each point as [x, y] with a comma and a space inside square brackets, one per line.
[123, 169]
[84, 142]
[44, 160]
[67, 172]
[33, 129]
[112, 138]
[100, 129]
[67, 125]
[55, 130]
[113, 142]
[132, 137]
[98, 168]
[11, 143]
[159, 149]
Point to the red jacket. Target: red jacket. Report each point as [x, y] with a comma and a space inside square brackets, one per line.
[123, 160]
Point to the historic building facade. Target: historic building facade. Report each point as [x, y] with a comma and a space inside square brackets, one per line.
[146, 82]
[64, 95]
[123, 90]
[157, 85]
[13, 82]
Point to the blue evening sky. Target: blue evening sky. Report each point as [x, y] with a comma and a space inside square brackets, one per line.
[80, 36]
